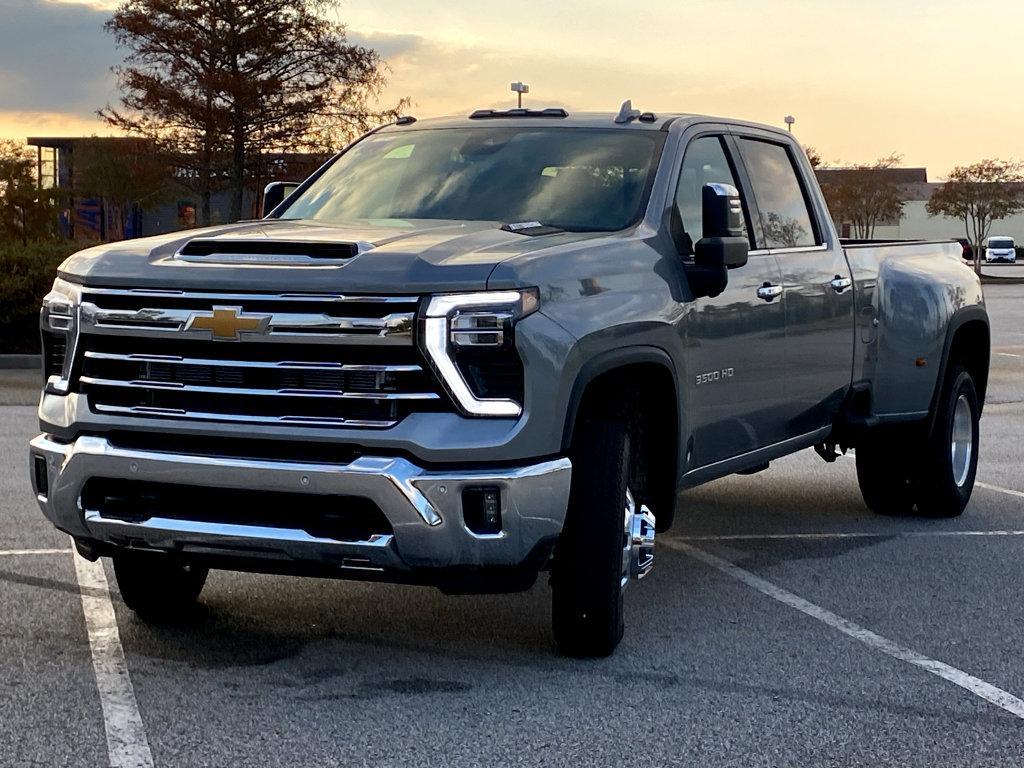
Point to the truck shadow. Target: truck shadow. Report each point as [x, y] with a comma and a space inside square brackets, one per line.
[257, 621]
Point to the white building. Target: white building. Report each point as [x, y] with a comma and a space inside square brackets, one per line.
[915, 223]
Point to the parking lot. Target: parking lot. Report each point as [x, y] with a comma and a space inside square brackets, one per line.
[783, 624]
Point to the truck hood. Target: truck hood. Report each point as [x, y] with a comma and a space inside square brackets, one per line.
[395, 257]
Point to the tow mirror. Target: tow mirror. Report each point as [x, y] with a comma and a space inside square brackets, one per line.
[722, 210]
[275, 193]
[724, 246]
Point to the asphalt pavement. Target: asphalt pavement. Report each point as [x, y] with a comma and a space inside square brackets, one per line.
[783, 624]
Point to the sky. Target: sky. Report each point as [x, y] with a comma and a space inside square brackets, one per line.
[936, 81]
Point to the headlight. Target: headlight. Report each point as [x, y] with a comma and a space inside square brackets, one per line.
[469, 339]
[58, 321]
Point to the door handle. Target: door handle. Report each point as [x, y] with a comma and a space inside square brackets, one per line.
[840, 284]
[769, 291]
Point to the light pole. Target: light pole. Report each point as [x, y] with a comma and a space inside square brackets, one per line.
[789, 122]
[520, 88]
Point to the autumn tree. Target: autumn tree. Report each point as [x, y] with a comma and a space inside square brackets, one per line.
[26, 212]
[125, 173]
[813, 156]
[865, 195]
[217, 82]
[978, 195]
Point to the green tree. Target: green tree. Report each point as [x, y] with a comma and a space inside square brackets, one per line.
[217, 82]
[865, 195]
[978, 195]
[26, 212]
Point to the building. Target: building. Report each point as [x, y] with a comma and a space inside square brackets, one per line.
[94, 219]
[916, 224]
[91, 218]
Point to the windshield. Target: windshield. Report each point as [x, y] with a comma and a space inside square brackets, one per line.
[574, 179]
[1000, 243]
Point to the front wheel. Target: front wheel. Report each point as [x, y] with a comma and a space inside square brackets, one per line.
[608, 537]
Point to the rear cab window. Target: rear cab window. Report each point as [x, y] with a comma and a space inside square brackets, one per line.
[782, 201]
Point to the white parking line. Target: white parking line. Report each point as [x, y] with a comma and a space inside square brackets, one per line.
[853, 535]
[990, 487]
[979, 484]
[126, 737]
[37, 551]
[986, 691]
[1010, 355]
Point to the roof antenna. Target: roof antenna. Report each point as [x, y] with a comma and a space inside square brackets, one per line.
[626, 112]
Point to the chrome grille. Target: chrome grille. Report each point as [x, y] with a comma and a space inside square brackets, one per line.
[323, 360]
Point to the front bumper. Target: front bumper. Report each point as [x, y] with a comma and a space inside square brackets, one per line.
[424, 507]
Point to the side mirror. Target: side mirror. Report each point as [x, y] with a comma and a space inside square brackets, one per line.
[275, 193]
[722, 211]
[724, 246]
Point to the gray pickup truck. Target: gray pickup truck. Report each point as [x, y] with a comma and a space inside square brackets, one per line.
[467, 351]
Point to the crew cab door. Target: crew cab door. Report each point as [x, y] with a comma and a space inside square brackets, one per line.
[816, 280]
[734, 367]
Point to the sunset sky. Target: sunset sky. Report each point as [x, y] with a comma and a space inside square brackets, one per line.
[938, 81]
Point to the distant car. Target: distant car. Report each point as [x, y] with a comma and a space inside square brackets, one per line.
[968, 249]
[1000, 250]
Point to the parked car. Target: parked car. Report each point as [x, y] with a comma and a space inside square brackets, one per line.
[968, 253]
[1000, 249]
[468, 351]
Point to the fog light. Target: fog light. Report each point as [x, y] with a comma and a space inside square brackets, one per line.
[39, 475]
[481, 509]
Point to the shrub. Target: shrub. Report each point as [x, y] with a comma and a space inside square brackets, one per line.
[26, 275]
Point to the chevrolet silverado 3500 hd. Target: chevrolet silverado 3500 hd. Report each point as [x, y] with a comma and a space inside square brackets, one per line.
[466, 351]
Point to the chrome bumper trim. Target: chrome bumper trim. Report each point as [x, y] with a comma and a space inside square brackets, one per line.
[423, 506]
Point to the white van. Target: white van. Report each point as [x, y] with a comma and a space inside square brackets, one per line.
[1000, 249]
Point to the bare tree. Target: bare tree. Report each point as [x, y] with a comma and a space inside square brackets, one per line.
[813, 156]
[978, 195]
[217, 82]
[865, 195]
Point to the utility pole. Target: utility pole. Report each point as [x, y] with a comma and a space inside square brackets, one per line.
[520, 88]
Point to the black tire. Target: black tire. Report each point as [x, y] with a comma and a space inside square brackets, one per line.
[942, 494]
[156, 587]
[900, 469]
[887, 472]
[587, 573]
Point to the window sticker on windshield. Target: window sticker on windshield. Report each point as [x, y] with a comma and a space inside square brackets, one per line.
[401, 152]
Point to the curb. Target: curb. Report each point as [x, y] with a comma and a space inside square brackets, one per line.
[20, 361]
[992, 280]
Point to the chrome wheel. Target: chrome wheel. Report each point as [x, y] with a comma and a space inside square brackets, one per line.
[637, 540]
[962, 441]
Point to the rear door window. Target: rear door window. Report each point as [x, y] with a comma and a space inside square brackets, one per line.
[781, 200]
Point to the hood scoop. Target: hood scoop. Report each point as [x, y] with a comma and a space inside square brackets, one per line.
[269, 252]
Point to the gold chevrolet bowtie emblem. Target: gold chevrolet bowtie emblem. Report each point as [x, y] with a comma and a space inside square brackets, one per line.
[228, 322]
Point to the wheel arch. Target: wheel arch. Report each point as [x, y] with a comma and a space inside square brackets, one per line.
[968, 340]
[643, 378]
